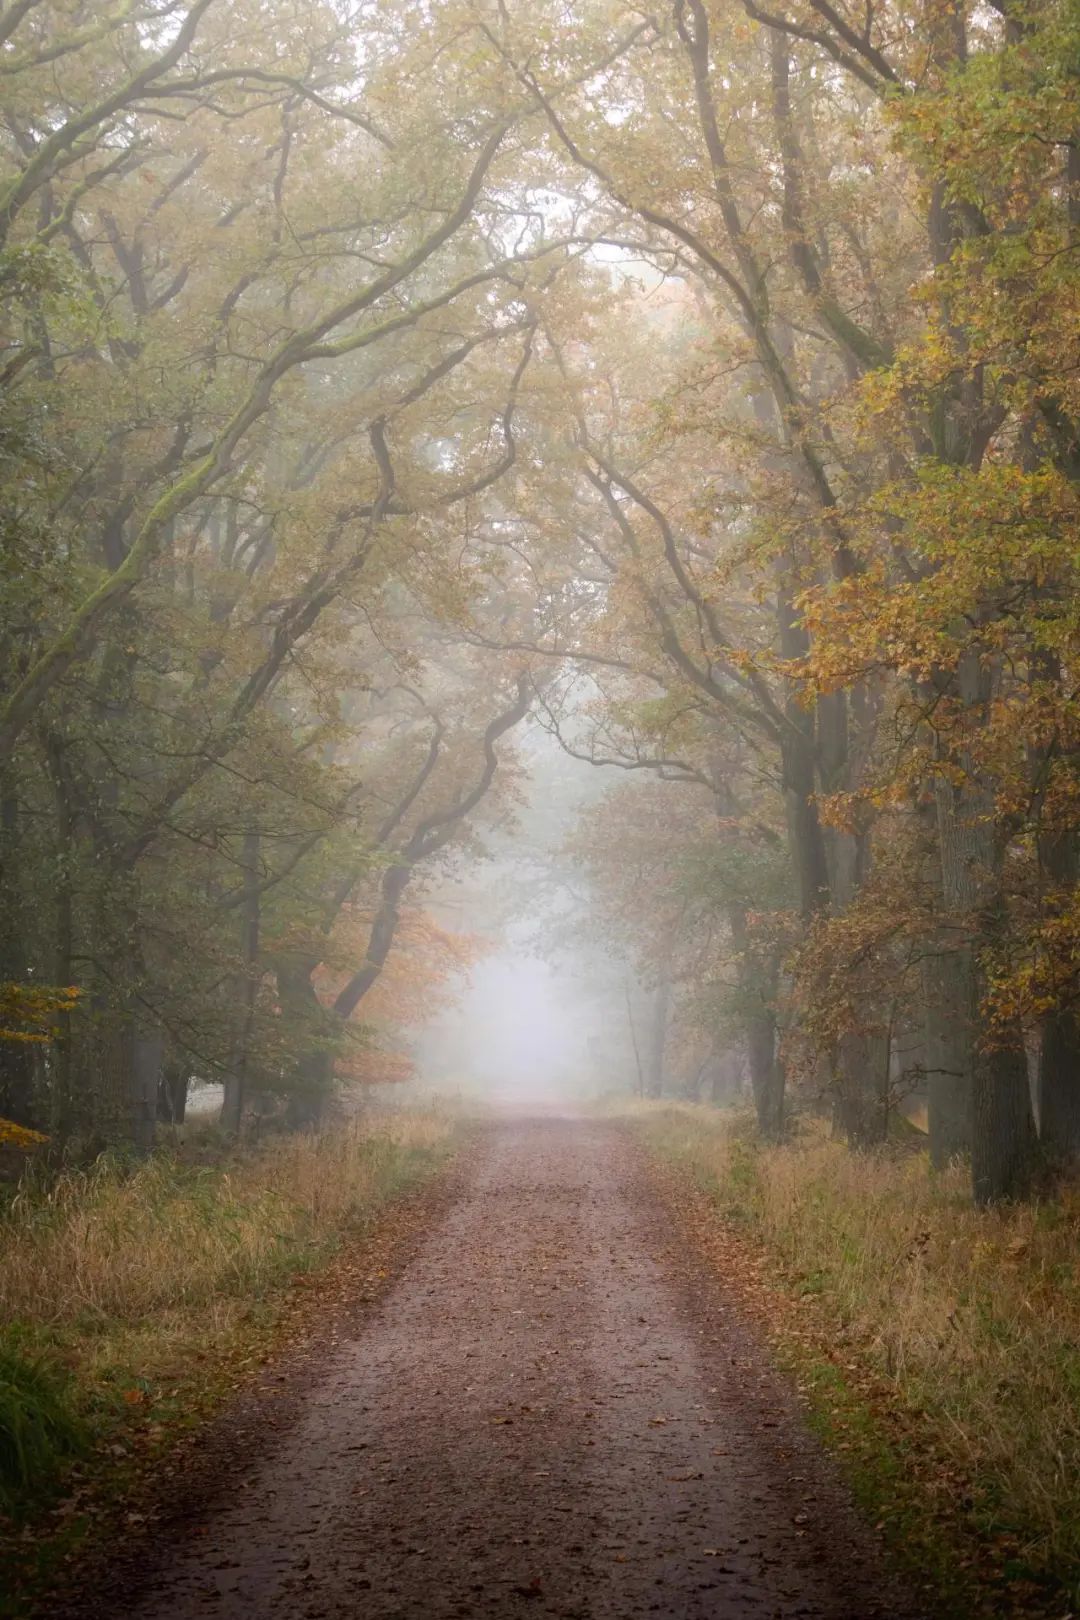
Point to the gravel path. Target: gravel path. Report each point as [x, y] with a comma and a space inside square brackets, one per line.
[551, 1413]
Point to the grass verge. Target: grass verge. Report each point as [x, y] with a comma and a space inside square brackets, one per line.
[937, 1346]
[133, 1299]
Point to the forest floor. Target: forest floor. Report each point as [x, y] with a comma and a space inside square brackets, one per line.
[558, 1407]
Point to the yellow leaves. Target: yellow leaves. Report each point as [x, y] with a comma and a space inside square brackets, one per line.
[29, 1012]
[19, 1136]
[422, 974]
[841, 811]
[740, 658]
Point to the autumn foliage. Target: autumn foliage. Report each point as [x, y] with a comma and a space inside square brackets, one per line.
[700, 383]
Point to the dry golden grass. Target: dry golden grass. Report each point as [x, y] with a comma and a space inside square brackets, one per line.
[973, 1315]
[133, 1299]
[121, 1267]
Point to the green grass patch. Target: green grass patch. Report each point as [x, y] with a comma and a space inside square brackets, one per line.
[40, 1429]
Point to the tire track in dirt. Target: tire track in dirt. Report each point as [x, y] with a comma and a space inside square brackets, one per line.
[554, 1411]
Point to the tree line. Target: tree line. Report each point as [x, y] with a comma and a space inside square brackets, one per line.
[698, 379]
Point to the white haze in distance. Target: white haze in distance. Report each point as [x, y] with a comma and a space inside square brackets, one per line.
[509, 1036]
[542, 1016]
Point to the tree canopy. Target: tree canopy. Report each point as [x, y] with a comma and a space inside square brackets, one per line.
[695, 383]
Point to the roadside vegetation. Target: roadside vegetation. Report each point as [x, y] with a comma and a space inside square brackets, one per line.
[936, 1343]
[134, 1295]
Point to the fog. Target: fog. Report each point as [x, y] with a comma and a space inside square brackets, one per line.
[542, 1015]
[510, 1035]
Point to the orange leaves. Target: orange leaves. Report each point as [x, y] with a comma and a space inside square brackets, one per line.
[19, 1136]
[29, 1012]
[421, 975]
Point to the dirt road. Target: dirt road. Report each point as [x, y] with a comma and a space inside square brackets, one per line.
[551, 1413]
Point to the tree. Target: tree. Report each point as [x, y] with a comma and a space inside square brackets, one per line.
[243, 405]
[705, 376]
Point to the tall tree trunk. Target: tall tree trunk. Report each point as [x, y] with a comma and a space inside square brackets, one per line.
[1058, 1079]
[146, 1048]
[232, 1106]
[861, 1109]
[1003, 1140]
[17, 1100]
[634, 1041]
[320, 1031]
[946, 1042]
[860, 1078]
[947, 1051]
[138, 1040]
[805, 838]
[62, 1089]
[654, 1076]
[758, 983]
[1059, 1087]
[173, 1091]
[798, 762]
[307, 1103]
[766, 1073]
